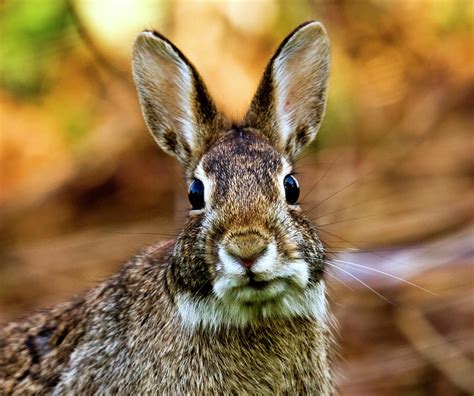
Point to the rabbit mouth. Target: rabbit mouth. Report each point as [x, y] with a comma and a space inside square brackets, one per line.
[269, 277]
[258, 285]
[256, 291]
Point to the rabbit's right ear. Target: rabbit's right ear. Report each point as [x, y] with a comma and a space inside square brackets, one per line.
[177, 108]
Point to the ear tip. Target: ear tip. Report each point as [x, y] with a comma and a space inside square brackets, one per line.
[146, 36]
[316, 28]
[152, 34]
[314, 32]
[315, 25]
[150, 41]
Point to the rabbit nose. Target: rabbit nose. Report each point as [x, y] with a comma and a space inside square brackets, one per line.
[249, 261]
[246, 249]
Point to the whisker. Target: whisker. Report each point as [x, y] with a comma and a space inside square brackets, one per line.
[369, 252]
[362, 282]
[305, 156]
[296, 168]
[387, 274]
[343, 250]
[365, 202]
[376, 167]
[143, 233]
[322, 177]
[342, 239]
[341, 221]
[339, 280]
[337, 192]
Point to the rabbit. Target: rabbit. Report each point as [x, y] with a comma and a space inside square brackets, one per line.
[236, 304]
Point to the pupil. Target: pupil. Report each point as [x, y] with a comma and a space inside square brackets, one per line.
[196, 194]
[292, 189]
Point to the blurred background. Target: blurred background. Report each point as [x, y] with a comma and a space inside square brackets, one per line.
[388, 180]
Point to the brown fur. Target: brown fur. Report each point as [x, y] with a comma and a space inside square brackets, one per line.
[176, 319]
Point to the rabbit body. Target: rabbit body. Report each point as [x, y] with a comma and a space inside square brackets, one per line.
[125, 337]
[236, 303]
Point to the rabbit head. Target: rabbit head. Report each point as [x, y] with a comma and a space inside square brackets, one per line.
[247, 252]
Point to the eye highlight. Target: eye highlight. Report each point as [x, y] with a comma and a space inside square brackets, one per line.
[196, 194]
[292, 189]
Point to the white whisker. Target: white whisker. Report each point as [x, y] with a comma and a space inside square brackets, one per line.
[386, 274]
[339, 280]
[362, 282]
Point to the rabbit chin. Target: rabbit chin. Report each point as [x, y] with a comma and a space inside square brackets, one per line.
[214, 313]
[276, 289]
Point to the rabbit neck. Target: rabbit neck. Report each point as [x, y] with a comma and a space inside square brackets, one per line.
[273, 357]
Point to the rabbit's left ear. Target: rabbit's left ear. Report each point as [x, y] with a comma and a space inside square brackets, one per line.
[291, 98]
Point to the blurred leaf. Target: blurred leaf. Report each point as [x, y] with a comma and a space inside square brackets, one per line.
[76, 124]
[452, 15]
[33, 35]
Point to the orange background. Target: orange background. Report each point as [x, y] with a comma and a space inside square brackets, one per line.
[83, 186]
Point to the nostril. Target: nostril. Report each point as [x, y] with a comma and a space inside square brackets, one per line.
[249, 261]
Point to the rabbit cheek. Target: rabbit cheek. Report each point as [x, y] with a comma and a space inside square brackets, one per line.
[193, 276]
[309, 247]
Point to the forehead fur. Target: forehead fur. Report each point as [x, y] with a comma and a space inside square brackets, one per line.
[243, 160]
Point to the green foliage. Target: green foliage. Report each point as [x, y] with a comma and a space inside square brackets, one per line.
[33, 36]
[76, 123]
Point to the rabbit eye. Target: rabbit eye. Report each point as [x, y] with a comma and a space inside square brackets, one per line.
[292, 189]
[196, 194]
